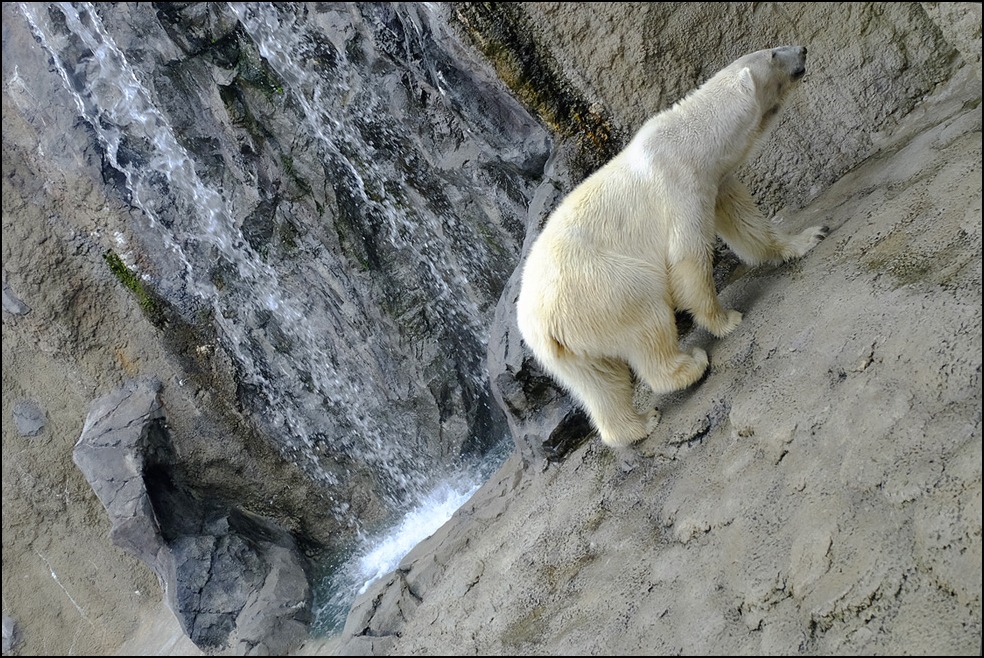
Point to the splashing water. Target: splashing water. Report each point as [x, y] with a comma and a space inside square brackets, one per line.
[380, 555]
[423, 521]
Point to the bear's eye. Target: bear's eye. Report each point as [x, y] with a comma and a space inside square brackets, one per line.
[773, 54]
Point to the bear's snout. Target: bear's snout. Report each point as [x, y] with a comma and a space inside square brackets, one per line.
[800, 70]
[793, 59]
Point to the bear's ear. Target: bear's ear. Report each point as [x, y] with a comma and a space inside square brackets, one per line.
[745, 79]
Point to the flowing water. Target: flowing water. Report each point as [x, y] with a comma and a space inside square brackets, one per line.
[404, 142]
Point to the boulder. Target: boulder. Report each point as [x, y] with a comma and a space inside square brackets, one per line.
[233, 579]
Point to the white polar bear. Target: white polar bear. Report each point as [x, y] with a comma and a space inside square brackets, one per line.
[634, 242]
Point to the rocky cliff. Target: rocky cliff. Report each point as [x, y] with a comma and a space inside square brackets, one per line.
[297, 219]
[303, 223]
[820, 491]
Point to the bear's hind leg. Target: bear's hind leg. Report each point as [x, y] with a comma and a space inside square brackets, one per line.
[740, 223]
[692, 285]
[605, 388]
[662, 365]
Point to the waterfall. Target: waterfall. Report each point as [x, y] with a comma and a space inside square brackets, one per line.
[359, 344]
[287, 44]
[195, 224]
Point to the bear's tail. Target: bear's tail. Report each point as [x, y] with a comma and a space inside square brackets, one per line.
[557, 348]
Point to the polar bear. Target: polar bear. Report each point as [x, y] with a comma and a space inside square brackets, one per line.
[633, 243]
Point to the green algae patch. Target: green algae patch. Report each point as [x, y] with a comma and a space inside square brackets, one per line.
[501, 33]
[149, 302]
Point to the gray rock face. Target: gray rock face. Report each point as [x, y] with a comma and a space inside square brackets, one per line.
[330, 199]
[544, 421]
[11, 303]
[233, 579]
[124, 435]
[28, 417]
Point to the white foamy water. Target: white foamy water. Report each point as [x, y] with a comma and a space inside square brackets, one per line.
[380, 554]
[420, 523]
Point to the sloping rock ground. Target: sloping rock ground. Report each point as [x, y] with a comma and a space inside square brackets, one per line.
[818, 493]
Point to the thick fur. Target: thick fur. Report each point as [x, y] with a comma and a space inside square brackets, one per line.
[634, 242]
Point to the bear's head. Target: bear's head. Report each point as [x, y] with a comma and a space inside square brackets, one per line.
[770, 74]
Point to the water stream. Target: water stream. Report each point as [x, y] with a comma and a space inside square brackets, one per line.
[362, 364]
[195, 224]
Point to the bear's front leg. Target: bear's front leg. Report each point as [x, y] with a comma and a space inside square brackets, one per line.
[740, 223]
[797, 245]
[692, 286]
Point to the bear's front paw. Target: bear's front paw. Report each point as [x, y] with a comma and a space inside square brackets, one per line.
[730, 320]
[808, 239]
[700, 359]
[689, 369]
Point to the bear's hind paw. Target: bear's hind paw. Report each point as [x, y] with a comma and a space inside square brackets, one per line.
[724, 327]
